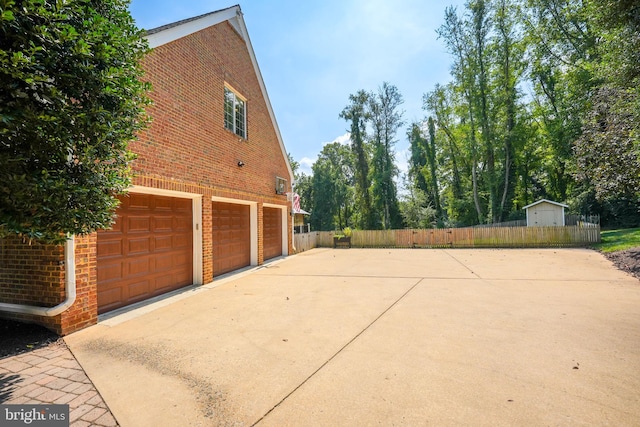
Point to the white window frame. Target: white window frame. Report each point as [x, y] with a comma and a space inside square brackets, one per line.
[238, 102]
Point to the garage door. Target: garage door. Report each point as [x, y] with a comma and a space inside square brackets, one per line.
[231, 237]
[149, 250]
[272, 223]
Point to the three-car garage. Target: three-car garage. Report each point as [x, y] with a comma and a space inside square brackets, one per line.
[156, 244]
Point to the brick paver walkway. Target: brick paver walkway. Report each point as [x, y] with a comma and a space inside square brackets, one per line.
[52, 375]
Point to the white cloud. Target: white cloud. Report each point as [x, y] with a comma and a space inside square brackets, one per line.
[402, 160]
[402, 163]
[305, 165]
[344, 139]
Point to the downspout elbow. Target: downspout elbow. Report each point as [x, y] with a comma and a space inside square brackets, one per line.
[70, 289]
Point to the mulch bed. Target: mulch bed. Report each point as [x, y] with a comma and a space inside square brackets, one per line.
[17, 337]
[628, 261]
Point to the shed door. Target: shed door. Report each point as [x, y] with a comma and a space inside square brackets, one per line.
[231, 237]
[547, 215]
[149, 250]
[272, 224]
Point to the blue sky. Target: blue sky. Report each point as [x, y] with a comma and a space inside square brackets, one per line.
[313, 54]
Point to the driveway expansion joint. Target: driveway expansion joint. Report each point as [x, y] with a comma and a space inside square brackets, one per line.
[351, 341]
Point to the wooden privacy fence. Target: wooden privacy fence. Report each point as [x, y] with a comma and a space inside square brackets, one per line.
[486, 237]
[305, 241]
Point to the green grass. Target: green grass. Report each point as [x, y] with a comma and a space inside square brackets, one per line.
[619, 240]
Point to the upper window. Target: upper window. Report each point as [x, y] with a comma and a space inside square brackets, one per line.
[235, 113]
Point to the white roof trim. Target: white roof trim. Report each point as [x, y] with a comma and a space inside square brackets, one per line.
[192, 26]
[234, 16]
[547, 201]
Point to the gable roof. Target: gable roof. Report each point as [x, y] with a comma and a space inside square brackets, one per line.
[167, 33]
[546, 201]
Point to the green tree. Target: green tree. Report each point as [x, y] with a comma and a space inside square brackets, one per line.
[386, 119]
[454, 32]
[562, 51]
[575, 138]
[356, 113]
[416, 210]
[508, 48]
[70, 100]
[423, 172]
[332, 188]
[418, 159]
[452, 158]
[606, 155]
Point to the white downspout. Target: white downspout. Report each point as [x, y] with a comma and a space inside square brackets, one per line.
[70, 288]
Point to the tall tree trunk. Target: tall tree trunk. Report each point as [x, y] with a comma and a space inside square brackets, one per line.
[480, 29]
[510, 100]
[431, 157]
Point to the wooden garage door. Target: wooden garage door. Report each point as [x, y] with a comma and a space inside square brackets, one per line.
[272, 223]
[149, 250]
[231, 237]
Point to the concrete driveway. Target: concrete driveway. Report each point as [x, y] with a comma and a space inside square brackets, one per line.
[399, 337]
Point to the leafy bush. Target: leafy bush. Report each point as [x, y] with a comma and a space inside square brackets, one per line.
[70, 101]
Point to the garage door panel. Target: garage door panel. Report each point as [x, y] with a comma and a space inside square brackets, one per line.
[163, 282]
[180, 241]
[180, 260]
[231, 237]
[138, 224]
[165, 263]
[163, 204]
[110, 272]
[148, 252]
[272, 230]
[110, 248]
[163, 243]
[139, 246]
[183, 278]
[110, 298]
[163, 224]
[181, 223]
[182, 205]
[138, 289]
[138, 201]
[138, 266]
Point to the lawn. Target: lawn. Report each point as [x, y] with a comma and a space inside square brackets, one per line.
[619, 240]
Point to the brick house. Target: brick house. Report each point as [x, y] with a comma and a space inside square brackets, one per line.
[209, 194]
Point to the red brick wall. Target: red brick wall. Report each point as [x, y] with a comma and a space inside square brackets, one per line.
[31, 274]
[187, 140]
[34, 274]
[187, 147]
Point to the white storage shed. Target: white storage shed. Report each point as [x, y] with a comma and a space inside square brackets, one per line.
[545, 213]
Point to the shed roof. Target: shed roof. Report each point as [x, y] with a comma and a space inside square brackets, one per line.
[167, 33]
[547, 201]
